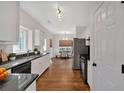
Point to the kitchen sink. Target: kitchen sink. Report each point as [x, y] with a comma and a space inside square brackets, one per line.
[33, 57]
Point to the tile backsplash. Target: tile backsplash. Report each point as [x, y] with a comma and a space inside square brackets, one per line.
[8, 48]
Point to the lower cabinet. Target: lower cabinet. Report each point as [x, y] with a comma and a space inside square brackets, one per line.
[39, 65]
[90, 69]
[32, 87]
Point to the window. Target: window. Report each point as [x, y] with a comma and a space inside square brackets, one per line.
[45, 45]
[25, 41]
[29, 40]
[21, 45]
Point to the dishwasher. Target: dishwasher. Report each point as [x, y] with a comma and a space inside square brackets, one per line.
[22, 68]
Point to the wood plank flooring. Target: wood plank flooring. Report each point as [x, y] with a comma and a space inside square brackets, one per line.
[60, 77]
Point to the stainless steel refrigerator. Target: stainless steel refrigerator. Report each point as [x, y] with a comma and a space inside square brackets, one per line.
[79, 47]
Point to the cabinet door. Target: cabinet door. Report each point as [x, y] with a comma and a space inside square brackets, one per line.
[37, 37]
[9, 24]
[39, 65]
[35, 66]
[42, 65]
[46, 61]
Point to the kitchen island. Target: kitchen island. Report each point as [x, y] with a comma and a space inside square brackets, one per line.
[19, 82]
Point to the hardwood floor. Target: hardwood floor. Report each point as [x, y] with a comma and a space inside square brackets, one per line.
[60, 77]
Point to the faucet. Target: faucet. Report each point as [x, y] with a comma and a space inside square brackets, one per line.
[28, 52]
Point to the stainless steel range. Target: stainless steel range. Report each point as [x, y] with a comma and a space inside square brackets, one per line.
[83, 67]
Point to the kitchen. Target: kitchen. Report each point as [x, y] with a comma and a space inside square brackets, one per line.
[28, 47]
[65, 46]
[16, 23]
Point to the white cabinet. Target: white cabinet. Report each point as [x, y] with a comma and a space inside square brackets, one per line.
[32, 87]
[39, 65]
[37, 37]
[36, 66]
[9, 21]
[89, 75]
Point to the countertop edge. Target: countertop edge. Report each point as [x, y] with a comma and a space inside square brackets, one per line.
[7, 68]
[30, 83]
[15, 87]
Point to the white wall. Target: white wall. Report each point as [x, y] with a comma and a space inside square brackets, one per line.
[56, 39]
[29, 22]
[85, 30]
[82, 32]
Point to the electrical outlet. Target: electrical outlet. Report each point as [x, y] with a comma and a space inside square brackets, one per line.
[122, 69]
[122, 2]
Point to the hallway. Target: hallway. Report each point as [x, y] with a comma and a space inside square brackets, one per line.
[61, 77]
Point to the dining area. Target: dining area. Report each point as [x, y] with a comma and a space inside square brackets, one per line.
[65, 49]
[65, 52]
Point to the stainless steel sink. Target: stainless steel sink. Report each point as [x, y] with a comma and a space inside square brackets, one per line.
[32, 57]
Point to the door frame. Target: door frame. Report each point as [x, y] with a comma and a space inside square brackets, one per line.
[92, 61]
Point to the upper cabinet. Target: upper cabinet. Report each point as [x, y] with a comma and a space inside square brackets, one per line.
[37, 37]
[9, 21]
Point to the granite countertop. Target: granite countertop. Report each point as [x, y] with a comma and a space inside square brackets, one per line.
[17, 82]
[10, 64]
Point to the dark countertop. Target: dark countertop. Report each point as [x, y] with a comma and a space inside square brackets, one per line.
[17, 82]
[87, 56]
[10, 64]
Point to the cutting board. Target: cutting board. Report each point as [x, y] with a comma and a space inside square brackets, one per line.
[3, 55]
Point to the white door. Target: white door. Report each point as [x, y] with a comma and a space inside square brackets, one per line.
[108, 47]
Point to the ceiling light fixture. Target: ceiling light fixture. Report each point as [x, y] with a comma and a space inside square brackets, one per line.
[59, 14]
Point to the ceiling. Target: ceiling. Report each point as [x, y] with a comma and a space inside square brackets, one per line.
[75, 13]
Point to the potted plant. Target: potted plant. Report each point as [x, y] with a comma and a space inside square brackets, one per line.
[35, 51]
[12, 56]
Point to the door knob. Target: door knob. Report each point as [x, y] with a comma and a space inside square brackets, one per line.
[94, 64]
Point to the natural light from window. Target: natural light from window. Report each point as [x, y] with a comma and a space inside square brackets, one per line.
[25, 41]
[45, 45]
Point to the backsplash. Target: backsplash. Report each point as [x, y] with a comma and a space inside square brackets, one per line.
[8, 48]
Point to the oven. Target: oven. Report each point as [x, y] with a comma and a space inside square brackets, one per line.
[22, 68]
